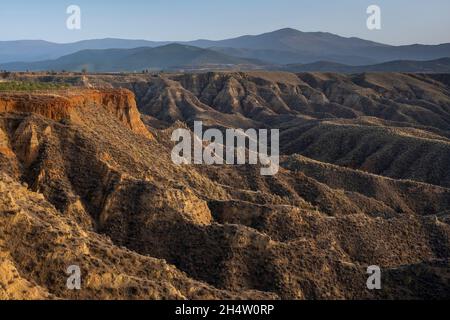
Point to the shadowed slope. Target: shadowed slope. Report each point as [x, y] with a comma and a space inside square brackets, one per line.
[308, 232]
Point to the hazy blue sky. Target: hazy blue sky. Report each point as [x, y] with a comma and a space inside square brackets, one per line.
[403, 21]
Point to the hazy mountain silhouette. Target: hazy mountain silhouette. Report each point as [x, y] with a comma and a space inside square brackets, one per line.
[172, 56]
[289, 45]
[279, 47]
[37, 50]
[433, 66]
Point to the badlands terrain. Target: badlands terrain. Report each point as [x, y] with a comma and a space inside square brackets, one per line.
[86, 179]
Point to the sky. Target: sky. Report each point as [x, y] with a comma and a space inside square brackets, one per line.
[403, 21]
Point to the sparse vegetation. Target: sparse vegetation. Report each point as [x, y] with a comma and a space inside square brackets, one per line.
[5, 74]
[31, 86]
[364, 181]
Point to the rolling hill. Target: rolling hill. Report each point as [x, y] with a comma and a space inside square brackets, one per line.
[86, 178]
[117, 60]
[289, 45]
[433, 66]
[285, 46]
[38, 50]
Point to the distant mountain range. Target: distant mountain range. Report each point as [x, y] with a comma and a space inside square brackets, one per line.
[272, 50]
[37, 50]
[167, 57]
[434, 66]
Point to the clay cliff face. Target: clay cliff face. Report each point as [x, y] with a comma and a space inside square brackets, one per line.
[361, 183]
[65, 105]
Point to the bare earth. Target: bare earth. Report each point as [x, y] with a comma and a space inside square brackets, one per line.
[86, 179]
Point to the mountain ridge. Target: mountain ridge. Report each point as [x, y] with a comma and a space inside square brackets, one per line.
[178, 57]
[271, 47]
[441, 65]
[169, 56]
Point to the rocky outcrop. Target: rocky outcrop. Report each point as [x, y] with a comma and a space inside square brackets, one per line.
[92, 192]
[66, 104]
[37, 245]
[50, 106]
[119, 102]
[395, 125]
